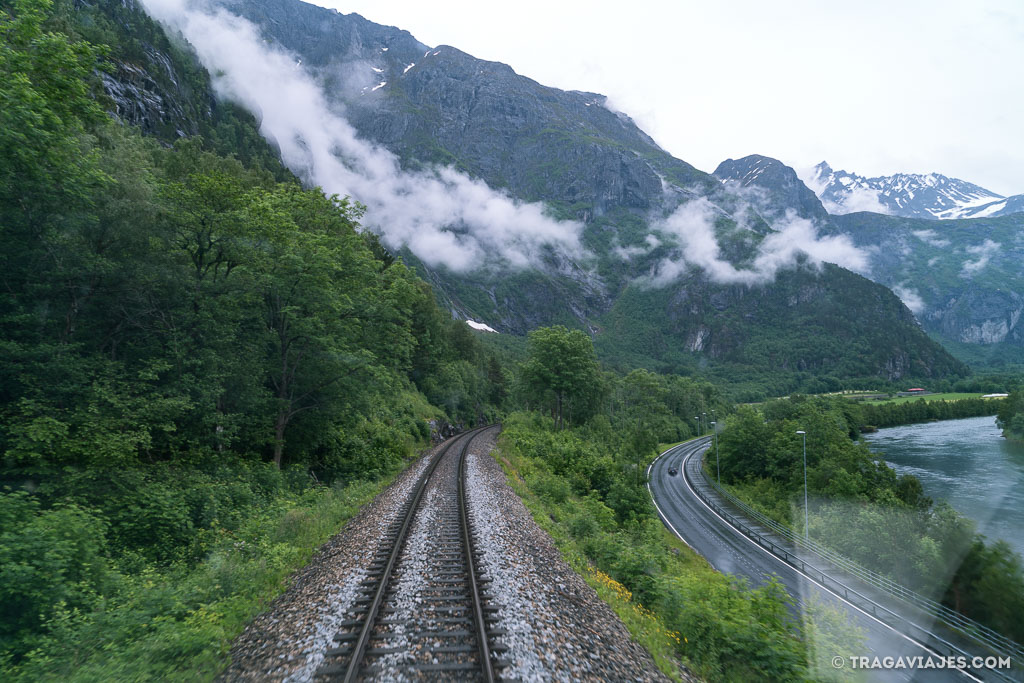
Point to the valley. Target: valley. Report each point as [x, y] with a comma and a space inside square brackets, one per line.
[327, 353]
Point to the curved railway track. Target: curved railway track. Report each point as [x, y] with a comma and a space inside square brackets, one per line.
[423, 612]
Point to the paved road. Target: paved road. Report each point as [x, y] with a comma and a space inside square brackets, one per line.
[730, 551]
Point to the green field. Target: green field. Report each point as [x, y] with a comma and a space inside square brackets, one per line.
[953, 396]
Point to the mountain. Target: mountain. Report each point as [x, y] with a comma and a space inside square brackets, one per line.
[962, 278]
[787, 190]
[642, 215]
[932, 196]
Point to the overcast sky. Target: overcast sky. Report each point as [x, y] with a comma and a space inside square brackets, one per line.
[872, 86]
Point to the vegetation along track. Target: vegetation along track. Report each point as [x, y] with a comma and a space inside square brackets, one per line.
[423, 612]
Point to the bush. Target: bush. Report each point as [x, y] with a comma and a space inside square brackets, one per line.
[50, 561]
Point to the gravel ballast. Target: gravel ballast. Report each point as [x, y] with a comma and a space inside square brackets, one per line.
[558, 627]
[555, 626]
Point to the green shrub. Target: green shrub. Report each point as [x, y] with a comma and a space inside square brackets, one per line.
[50, 561]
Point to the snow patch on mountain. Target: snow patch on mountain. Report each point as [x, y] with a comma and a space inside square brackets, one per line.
[482, 327]
[912, 195]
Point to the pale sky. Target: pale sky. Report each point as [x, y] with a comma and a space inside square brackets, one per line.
[872, 86]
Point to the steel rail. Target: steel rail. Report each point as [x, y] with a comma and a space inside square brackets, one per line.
[486, 665]
[365, 634]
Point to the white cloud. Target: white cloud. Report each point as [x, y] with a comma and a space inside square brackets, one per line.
[984, 252]
[693, 227]
[854, 199]
[860, 199]
[931, 237]
[910, 298]
[444, 217]
[651, 242]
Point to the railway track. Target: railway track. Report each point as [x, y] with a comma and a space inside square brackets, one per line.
[423, 611]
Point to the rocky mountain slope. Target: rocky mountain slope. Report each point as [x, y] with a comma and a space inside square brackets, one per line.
[756, 173]
[910, 195]
[439, 107]
[156, 83]
[962, 278]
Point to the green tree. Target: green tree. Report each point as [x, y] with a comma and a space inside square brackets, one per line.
[562, 368]
[1011, 416]
[316, 279]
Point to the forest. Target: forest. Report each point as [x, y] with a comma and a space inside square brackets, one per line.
[868, 416]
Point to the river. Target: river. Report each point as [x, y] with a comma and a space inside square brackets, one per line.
[967, 463]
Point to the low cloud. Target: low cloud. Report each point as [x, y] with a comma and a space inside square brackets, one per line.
[692, 226]
[853, 199]
[910, 298]
[444, 217]
[651, 243]
[931, 237]
[984, 252]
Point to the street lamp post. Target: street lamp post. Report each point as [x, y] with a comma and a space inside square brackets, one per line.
[705, 420]
[718, 464]
[697, 418]
[803, 434]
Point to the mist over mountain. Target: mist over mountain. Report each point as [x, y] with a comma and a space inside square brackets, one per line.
[910, 195]
[755, 173]
[526, 205]
[961, 278]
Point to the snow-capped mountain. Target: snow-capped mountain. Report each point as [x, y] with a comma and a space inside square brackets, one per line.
[910, 195]
[961, 278]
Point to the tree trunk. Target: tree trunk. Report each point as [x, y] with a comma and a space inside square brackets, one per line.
[279, 426]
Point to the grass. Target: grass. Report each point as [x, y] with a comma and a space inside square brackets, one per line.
[952, 396]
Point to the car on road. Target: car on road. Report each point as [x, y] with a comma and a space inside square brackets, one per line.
[672, 472]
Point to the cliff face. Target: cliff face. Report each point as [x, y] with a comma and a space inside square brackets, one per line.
[152, 82]
[142, 101]
[964, 275]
